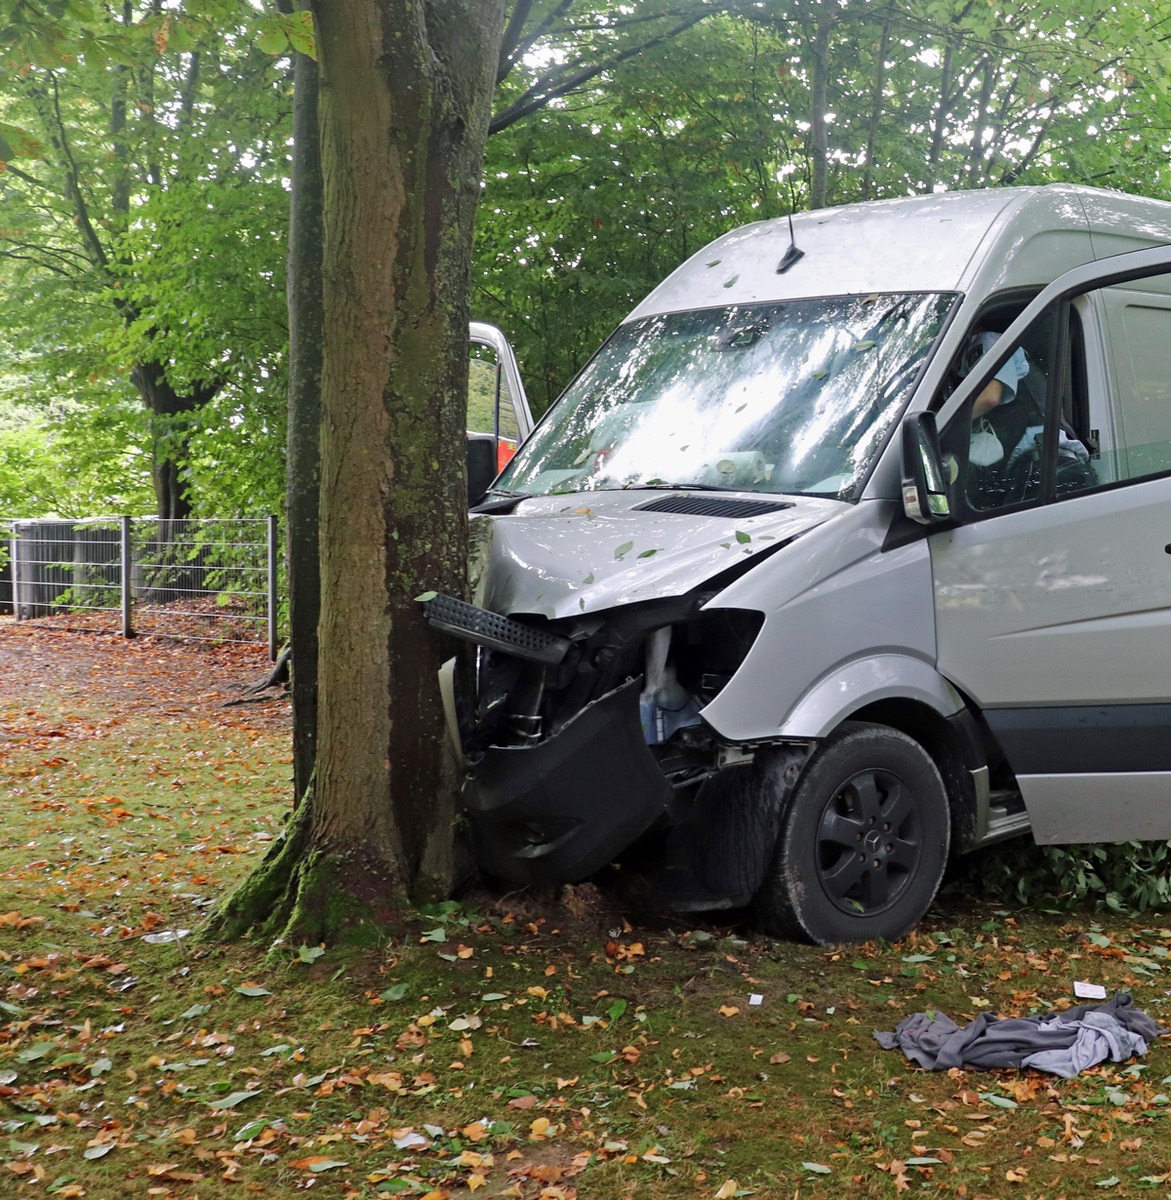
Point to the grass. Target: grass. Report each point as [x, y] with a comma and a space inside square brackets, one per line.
[517, 1046]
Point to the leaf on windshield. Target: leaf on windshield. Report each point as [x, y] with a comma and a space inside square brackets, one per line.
[624, 549]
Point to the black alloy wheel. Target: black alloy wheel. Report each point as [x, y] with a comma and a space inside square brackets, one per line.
[863, 842]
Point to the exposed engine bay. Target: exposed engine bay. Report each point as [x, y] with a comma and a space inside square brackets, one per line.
[580, 734]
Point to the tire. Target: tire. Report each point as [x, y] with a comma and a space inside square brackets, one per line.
[863, 841]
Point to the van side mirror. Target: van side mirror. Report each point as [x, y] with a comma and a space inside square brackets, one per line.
[925, 497]
[482, 455]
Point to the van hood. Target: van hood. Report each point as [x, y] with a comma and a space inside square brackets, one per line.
[562, 556]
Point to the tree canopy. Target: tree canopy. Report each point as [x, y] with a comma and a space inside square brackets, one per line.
[145, 210]
[146, 151]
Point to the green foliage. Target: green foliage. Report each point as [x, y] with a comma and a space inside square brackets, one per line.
[151, 231]
[1120, 877]
[58, 457]
[593, 200]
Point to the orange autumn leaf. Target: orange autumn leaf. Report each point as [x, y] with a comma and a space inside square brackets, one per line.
[315, 1162]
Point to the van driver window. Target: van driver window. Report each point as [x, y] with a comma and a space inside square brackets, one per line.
[1006, 432]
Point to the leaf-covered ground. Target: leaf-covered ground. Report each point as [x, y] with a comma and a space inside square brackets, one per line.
[520, 1046]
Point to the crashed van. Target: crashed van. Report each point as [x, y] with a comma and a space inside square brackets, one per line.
[849, 550]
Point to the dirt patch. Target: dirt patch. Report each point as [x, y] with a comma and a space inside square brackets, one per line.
[43, 665]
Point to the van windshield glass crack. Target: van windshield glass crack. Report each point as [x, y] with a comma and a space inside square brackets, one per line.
[795, 398]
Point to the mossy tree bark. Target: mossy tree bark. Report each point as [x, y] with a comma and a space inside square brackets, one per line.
[405, 90]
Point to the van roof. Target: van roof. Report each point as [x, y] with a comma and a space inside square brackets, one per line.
[987, 241]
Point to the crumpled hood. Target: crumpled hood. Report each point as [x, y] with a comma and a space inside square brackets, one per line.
[562, 556]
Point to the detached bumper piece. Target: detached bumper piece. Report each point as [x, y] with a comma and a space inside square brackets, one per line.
[558, 811]
[490, 629]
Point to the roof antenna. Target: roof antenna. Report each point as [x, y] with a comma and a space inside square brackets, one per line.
[793, 254]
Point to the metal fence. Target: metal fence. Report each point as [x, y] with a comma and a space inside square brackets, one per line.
[209, 580]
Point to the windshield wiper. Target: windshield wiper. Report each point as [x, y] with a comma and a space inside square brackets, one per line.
[660, 486]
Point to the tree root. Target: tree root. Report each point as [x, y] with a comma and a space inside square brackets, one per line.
[259, 903]
[279, 675]
[305, 894]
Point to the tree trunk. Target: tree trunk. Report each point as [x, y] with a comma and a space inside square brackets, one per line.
[877, 106]
[168, 438]
[303, 478]
[405, 87]
[827, 11]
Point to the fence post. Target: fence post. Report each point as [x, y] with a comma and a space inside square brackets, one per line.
[14, 563]
[272, 582]
[127, 630]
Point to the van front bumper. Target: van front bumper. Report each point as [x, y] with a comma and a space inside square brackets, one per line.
[559, 810]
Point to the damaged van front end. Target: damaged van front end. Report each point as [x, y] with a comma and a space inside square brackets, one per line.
[579, 714]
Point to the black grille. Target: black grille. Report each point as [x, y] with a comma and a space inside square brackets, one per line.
[491, 629]
[714, 506]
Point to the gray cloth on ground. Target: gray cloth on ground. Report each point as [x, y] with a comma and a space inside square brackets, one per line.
[1061, 1043]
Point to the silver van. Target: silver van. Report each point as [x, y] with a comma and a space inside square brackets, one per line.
[851, 548]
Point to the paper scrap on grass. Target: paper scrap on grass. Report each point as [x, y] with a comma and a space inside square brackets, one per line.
[1088, 991]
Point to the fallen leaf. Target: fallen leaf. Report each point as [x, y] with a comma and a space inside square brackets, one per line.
[317, 1162]
[231, 1100]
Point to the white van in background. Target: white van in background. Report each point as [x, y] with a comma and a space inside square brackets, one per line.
[849, 549]
[499, 418]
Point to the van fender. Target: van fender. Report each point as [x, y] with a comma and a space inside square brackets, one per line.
[852, 686]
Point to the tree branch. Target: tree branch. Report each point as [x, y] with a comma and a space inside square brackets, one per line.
[567, 79]
[49, 107]
[511, 41]
[522, 43]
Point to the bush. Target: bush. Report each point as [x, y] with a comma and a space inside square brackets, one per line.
[1120, 877]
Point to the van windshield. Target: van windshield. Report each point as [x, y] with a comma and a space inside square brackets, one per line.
[795, 397]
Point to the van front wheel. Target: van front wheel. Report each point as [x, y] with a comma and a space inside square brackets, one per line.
[863, 841]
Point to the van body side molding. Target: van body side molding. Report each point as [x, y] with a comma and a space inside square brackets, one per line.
[1098, 739]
